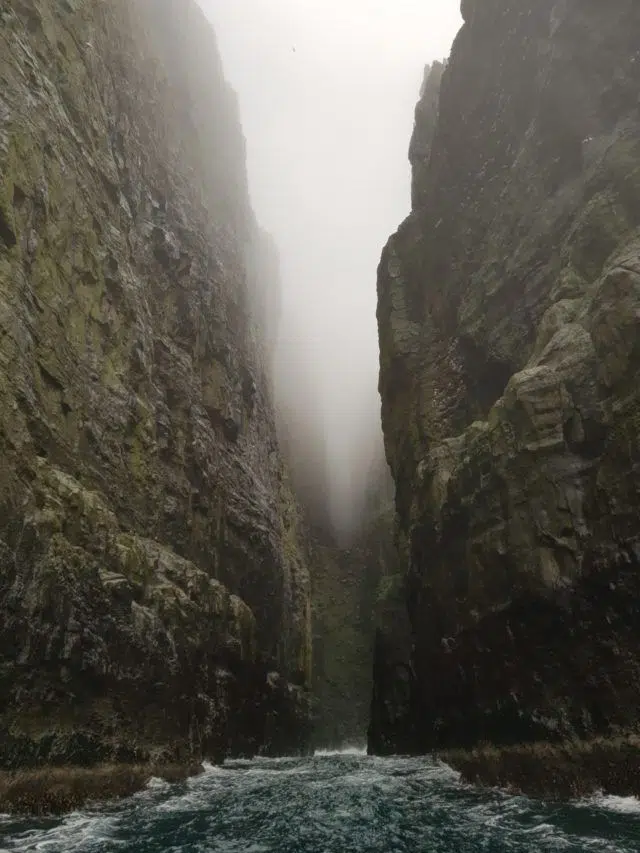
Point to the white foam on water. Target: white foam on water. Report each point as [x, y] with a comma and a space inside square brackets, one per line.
[196, 799]
[209, 768]
[157, 784]
[444, 772]
[262, 772]
[199, 793]
[346, 750]
[209, 772]
[80, 831]
[622, 805]
[546, 829]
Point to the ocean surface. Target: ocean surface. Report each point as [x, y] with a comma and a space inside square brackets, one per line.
[332, 803]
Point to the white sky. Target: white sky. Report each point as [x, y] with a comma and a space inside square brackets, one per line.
[327, 90]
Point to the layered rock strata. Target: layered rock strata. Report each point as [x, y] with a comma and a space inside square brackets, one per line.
[154, 593]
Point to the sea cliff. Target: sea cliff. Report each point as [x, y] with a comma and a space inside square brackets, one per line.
[509, 305]
[154, 587]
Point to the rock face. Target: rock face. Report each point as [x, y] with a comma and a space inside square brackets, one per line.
[391, 728]
[345, 588]
[154, 594]
[509, 317]
[349, 575]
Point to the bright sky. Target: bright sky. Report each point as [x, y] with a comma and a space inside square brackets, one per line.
[327, 90]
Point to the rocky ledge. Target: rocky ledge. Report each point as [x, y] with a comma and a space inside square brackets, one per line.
[58, 790]
[555, 771]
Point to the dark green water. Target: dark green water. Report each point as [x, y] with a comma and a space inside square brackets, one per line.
[334, 803]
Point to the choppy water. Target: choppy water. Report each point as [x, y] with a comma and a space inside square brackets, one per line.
[332, 803]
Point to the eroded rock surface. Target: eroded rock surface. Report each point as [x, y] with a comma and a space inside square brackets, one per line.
[154, 594]
[509, 312]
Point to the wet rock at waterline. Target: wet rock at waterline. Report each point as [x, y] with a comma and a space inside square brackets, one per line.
[508, 316]
[154, 593]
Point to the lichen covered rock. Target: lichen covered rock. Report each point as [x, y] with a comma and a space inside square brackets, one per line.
[151, 570]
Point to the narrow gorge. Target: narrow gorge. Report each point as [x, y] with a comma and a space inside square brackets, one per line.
[177, 589]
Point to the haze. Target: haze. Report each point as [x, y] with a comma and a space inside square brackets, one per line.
[327, 92]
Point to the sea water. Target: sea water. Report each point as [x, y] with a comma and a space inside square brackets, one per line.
[343, 802]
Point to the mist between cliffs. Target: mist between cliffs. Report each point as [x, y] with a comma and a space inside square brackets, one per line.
[326, 95]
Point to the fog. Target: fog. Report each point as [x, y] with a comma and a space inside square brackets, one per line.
[327, 90]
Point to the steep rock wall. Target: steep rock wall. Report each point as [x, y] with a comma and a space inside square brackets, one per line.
[508, 315]
[154, 594]
[346, 583]
[391, 725]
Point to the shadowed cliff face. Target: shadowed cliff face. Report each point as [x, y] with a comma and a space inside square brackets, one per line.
[347, 581]
[508, 316]
[154, 596]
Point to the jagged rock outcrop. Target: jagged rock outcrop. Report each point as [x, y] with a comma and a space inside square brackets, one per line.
[426, 116]
[509, 306]
[154, 593]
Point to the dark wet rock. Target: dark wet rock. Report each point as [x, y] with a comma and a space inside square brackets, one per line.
[55, 791]
[345, 588]
[564, 771]
[392, 726]
[426, 119]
